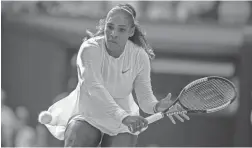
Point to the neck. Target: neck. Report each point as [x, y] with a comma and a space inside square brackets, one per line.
[114, 53]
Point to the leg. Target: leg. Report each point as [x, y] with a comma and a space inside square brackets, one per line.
[120, 140]
[80, 133]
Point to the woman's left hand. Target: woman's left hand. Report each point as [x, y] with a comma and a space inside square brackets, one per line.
[166, 103]
[181, 116]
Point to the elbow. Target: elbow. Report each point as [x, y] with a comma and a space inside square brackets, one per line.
[90, 83]
[89, 87]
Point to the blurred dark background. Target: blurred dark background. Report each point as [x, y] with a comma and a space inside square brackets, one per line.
[40, 40]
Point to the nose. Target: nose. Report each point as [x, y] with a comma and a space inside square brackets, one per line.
[114, 34]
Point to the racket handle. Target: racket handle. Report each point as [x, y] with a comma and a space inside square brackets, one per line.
[155, 117]
[150, 119]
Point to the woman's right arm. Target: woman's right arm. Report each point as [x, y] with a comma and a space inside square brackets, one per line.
[89, 72]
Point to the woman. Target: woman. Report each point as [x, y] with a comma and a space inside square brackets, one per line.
[110, 64]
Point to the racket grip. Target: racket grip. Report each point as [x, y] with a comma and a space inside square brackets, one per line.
[150, 119]
[155, 117]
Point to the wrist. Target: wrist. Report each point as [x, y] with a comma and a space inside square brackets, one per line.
[155, 108]
[124, 119]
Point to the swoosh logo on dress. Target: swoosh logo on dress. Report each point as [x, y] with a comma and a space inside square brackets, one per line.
[124, 71]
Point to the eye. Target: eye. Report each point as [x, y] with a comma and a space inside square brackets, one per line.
[122, 29]
[110, 27]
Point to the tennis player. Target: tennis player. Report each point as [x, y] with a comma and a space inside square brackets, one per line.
[110, 64]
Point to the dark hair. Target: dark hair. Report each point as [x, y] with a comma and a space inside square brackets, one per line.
[138, 38]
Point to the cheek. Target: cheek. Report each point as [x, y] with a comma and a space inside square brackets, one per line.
[123, 38]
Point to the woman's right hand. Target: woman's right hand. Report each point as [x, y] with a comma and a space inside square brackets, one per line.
[135, 123]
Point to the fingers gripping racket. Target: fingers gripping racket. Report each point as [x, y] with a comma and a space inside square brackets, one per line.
[205, 95]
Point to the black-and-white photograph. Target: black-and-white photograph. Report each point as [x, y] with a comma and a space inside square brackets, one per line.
[126, 73]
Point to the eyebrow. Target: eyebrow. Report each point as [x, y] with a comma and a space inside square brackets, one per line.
[118, 25]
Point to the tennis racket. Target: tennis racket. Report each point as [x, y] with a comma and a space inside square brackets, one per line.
[204, 95]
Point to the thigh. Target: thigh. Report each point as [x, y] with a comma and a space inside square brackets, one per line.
[80, 133]
[120, 140]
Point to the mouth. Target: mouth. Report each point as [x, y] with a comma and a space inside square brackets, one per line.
[113, 42]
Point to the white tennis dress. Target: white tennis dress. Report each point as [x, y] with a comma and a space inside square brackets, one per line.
[103, 95]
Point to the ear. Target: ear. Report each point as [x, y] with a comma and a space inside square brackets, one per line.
[132, 31]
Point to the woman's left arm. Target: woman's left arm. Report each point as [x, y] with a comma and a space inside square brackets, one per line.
[142, 85]
[146, 100]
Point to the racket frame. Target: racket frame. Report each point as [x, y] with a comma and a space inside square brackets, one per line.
[197, 82]
[164, 113]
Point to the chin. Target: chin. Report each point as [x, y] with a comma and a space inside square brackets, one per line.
[112, 46]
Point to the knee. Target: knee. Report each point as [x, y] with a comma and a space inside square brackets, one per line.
[120, 140]
[81, 134]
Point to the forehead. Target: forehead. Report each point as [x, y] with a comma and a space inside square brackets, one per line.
[118, 17]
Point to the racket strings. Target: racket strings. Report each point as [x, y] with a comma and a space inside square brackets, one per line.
[215, 93]
[207, 95]
[216, 96]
